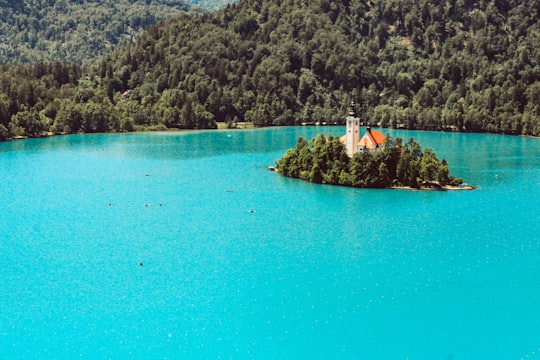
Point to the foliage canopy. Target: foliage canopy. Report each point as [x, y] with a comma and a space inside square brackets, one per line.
[324, 160]
[452, 65]
[75, 32]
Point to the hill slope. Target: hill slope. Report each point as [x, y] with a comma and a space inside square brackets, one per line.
[75, 31]
[455, 65]
[471, 65]
[210, 4]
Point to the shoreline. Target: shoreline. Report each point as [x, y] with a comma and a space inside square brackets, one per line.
[433, 187]
[429, 188]
[239, 126]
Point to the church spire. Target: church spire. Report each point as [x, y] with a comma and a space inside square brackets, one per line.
[352, 109]
[372, 140]
[352, 123]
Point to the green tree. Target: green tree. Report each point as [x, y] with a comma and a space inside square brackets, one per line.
[28, 123]
[429, 166]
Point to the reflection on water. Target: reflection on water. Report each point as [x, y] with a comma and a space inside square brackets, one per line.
[171, 145]
[195, 144]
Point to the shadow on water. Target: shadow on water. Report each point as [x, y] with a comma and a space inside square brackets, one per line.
[463, 152]
[173, 145]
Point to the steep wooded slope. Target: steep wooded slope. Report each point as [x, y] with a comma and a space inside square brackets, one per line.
[447, 65]
[461, 65]
[75, 32]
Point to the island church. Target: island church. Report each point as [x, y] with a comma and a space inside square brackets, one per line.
[372, 140]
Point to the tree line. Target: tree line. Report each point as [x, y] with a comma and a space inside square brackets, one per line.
[452, 65]
[324, 160]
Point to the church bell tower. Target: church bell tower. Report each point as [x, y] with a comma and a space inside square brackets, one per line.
[353, 131]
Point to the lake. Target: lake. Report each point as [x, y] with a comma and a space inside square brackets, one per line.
[183, 246]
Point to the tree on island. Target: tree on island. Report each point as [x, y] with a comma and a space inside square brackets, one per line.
[324, 160]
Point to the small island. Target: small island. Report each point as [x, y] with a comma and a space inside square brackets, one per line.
[368, 161]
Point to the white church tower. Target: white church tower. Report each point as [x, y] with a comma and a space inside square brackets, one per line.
[353, 131]
[372, 140]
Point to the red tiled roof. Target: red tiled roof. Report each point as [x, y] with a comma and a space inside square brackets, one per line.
[376, 136]
[370, 140]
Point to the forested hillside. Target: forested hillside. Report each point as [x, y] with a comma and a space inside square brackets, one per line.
[75, 32]
[210, 4]
[442, 65]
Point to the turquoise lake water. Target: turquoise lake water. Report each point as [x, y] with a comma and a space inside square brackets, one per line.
[314, 272]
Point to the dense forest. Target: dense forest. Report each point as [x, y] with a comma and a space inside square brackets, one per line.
[210, 4]
[324, 160]
[453, 65]
[79, 31]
